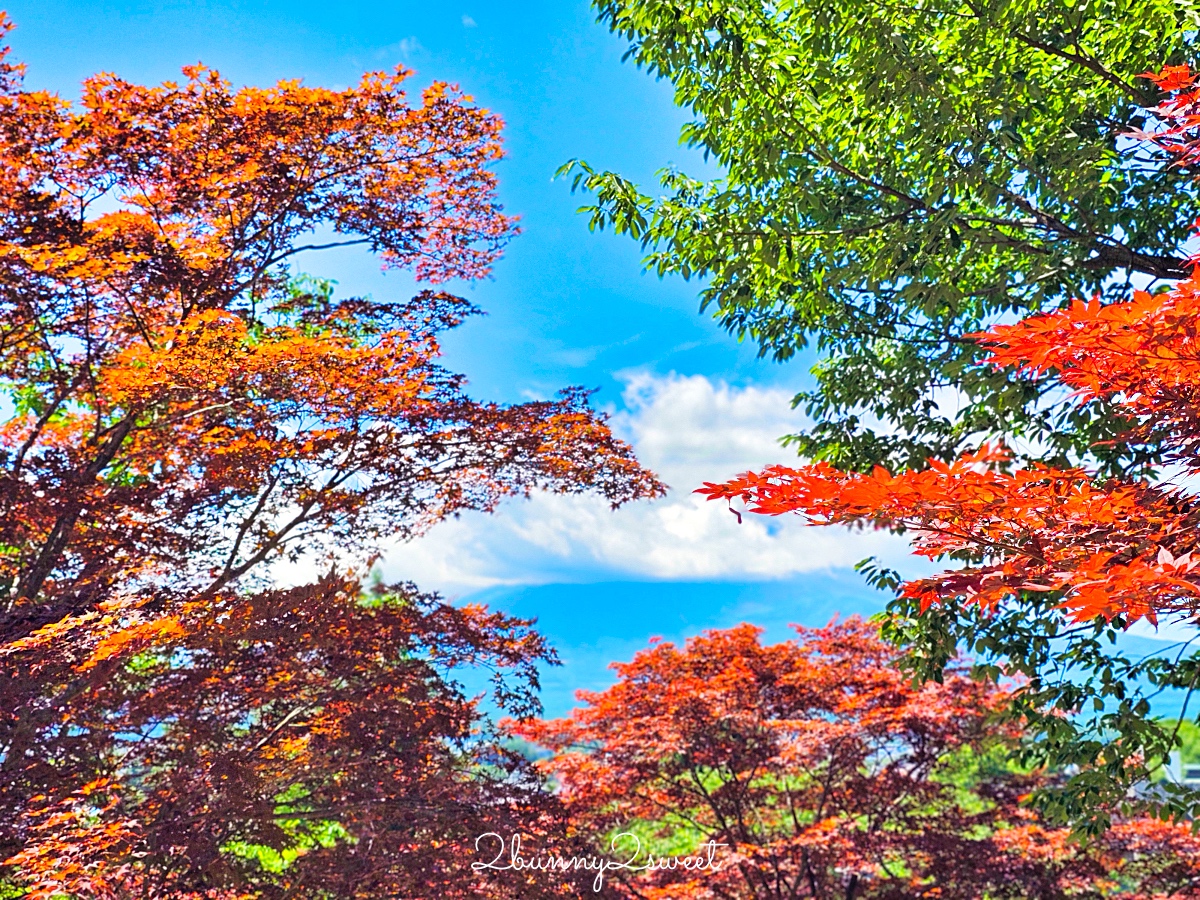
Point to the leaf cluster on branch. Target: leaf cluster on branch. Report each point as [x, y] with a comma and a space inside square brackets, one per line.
[895, 175]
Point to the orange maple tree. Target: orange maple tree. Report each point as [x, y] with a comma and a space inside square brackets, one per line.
[1082, 556]
[825, 774]
[185, 413]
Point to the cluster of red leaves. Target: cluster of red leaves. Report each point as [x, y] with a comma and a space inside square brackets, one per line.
[185, 413]
[827, 774]
[1108, 548]
[1177, 116]
[303, 721]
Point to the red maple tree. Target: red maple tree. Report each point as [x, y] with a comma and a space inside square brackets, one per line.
[824, 773]
[1083, 555]
[185, 413]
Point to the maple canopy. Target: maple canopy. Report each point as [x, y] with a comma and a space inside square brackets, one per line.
[1055, 562]
[185, 413]
[894, 175]
[826, 774]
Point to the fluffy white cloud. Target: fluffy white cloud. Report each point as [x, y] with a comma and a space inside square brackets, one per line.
[688, 430]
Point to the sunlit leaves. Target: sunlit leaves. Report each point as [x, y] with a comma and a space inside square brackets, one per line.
[896, 175]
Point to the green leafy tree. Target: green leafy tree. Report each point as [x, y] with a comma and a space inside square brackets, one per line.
[899, 174]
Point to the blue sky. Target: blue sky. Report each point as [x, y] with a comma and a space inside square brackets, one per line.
[564, 307]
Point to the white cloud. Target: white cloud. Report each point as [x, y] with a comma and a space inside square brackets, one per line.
[468, 22]
[404, 49]
[688, 430]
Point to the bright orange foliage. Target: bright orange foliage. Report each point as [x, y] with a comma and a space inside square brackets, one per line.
[1108, 548]
[184, 413]
[827, 775]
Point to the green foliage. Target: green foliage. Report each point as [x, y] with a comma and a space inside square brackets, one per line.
[1084, 700]
[299, 837]
[1189, 740]
[897, 176]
